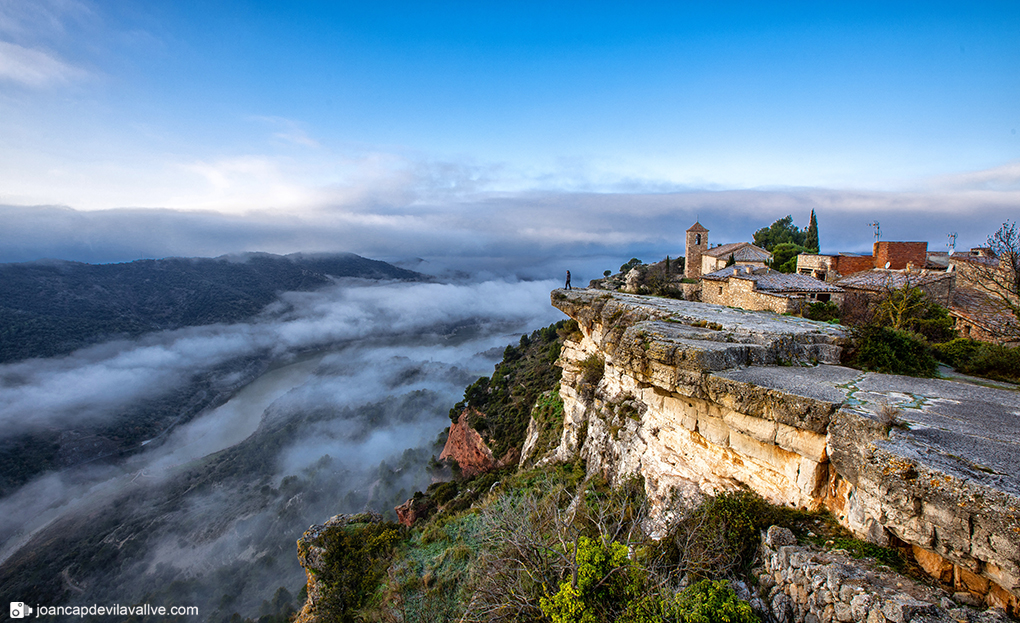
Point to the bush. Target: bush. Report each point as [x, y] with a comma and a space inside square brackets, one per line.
[719, 537]
[603, 584]
[356, 558]
[707, 601]
[714, 601]
[958, 352]
[891, 351]
[592, 369]
[823, 311]
[993, 361]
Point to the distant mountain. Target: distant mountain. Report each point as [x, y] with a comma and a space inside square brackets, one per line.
[51, 308]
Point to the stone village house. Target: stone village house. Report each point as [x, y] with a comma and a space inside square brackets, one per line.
[753, 288]
[749, 283]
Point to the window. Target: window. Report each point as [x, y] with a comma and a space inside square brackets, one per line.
[697, 238]
[720, 290]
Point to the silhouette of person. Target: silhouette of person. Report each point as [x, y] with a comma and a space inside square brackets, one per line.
[568, 281]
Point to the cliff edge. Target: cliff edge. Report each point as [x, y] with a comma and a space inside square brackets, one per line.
[690, 394]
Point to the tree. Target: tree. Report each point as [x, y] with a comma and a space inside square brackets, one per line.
[811, 238]
[999, 278]
[782, 231]
[784, 256]
[731, 260]
[629, 265]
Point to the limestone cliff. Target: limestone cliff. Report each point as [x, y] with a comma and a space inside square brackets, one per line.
[694, 395]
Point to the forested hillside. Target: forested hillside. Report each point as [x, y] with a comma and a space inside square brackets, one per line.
[53, 308]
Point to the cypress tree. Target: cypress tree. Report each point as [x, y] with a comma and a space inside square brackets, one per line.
[811, 240]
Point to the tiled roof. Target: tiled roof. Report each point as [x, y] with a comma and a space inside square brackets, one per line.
[774, 281]
[981, 309]
[724, 273]
[696, 227]
[742, 252]
[881, 279]
[768, 280]
[975, 259]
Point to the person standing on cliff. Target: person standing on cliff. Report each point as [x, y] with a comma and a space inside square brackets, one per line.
[568, 281]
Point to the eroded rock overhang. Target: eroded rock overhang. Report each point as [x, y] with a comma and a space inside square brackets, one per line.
[721, 397]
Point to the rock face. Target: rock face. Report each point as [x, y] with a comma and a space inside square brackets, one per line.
[411, 511]
[719, 397]
[467, 447]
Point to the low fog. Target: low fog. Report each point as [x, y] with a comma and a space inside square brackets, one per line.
[523, 233]
[360, 380]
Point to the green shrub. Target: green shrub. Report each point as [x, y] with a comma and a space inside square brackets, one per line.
[981, 358]
[910, 309]
[605, 583]
[891, 351]
[862, 549]
[355, 561]
[956, 352]
[720, 537]
[823, 311]
[707, 601]
[592, 369]
[711, 601]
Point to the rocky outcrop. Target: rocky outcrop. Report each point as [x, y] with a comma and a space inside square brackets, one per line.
[412, 510]
[311, 557]
[465, 446]
[694, 395]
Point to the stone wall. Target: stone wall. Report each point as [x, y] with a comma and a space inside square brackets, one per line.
[692, 408]
[743, 293]
[803, 584]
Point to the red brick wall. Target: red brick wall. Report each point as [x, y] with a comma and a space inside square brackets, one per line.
[847, 265]
[899, 254]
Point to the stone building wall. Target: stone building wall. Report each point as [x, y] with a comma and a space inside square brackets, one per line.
[743, 294]
[696, 244]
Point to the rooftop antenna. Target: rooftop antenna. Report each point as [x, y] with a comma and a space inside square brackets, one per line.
[878, 230]
[952, 242]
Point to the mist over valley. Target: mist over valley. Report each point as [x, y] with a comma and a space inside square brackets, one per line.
[180, 466]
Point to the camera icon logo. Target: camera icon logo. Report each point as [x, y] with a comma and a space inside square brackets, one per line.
[19, 610]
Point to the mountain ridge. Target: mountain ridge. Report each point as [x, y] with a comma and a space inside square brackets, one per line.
[53, 307]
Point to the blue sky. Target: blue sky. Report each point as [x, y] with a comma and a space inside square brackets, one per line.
[514, 128]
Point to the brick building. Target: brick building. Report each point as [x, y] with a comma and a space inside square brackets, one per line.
[885, 254]
[832, 267]
[900, 255]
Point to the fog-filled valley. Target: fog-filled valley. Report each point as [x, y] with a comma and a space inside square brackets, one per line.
[179, 467]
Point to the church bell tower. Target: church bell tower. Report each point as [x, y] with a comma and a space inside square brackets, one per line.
[697, 243]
